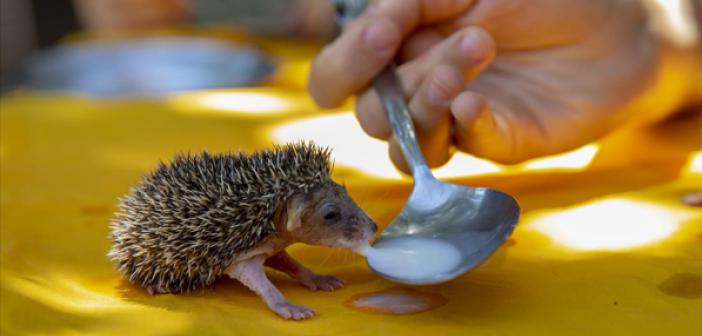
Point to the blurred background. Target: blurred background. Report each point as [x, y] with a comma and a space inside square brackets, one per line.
[118, 32]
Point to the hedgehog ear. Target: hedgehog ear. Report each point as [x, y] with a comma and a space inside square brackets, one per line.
[295, 206]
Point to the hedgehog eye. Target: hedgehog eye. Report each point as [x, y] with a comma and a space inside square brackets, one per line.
[331, 213]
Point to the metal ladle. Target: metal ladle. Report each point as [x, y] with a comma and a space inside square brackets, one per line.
[474, 220]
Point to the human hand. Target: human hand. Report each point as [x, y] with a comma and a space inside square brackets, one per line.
[505, 80]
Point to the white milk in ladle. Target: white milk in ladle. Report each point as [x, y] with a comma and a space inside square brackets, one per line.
[412, 258]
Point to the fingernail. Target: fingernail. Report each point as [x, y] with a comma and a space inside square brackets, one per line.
[379, 36]
[470, 46]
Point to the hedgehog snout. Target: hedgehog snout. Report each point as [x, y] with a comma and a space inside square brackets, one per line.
[366, 227]
[369, 233]
[372, 226]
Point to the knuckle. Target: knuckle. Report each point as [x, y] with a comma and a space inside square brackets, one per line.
[447, 82]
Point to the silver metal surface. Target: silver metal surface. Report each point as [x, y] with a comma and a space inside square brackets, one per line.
[148, 67]
[475, 220]
[347, 10]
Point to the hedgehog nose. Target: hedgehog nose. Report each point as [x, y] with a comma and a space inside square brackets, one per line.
[371, 223]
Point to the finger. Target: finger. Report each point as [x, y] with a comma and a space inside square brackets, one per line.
[466, 109]
[397, 158]
[374, 38]
[419, 43]
[439, 10]
[410, 14]
[478, 129]
[469, 50]
[430, 108]
[337, 72]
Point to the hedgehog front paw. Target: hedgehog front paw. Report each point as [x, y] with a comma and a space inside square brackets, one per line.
[291, 311]
[326, 283]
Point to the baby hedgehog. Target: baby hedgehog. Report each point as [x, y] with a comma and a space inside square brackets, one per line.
[202, 216]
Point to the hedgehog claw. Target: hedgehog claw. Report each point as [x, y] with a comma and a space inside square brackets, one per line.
[326, 283]
[291, 311]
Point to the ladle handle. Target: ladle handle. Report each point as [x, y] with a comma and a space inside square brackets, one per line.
[388, 88]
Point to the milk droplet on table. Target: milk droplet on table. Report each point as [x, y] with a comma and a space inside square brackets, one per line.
[413, 258]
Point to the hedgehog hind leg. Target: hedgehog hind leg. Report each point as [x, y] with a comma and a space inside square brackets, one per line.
[251, 274]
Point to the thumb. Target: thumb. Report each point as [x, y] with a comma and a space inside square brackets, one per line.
[492, 131]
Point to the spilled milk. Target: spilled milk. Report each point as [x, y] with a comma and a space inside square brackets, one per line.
[396, 301]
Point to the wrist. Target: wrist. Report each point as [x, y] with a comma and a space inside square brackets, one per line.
[678, 64]
[676, 25]
[675, 21]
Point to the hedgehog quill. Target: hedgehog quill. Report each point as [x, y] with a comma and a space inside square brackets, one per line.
[205, 216]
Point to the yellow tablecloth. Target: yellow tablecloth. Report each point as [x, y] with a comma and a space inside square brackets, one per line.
[604, 245]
